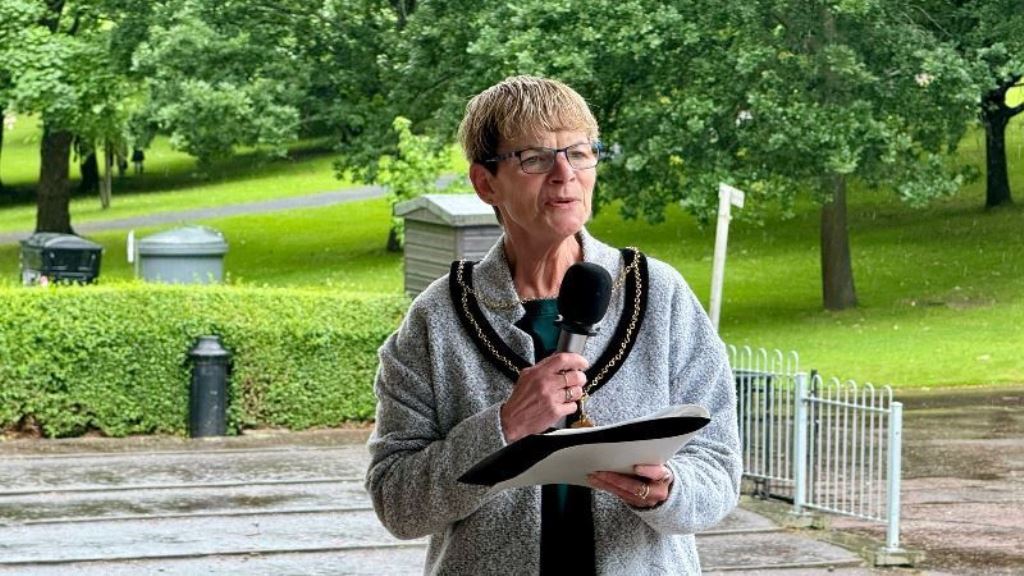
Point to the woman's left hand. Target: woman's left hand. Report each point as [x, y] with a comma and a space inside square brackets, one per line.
[647, 487]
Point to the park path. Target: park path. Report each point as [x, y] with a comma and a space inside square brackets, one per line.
[178, 216]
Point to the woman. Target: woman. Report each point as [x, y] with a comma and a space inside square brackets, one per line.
[472, 368]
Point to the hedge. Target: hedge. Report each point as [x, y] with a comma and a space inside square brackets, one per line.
[113, 358]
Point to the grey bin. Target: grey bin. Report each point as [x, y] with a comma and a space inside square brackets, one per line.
[189, 255]
[440, 228]
[59, 258]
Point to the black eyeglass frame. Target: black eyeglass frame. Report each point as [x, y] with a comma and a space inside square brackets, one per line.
[596, 144]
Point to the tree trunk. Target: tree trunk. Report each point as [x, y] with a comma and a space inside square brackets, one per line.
[105, 184]
[997, 188]
[393, 244]
[1, 146]
[836, 269]
[90, 170]
[52, 211]
[995, 114]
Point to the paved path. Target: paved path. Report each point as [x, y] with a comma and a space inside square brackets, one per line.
[261, 207]
[963, 480]
[279, 504]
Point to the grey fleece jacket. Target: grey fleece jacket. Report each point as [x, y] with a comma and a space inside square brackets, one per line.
[438, 414]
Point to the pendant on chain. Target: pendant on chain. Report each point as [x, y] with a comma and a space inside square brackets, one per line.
[584, 420]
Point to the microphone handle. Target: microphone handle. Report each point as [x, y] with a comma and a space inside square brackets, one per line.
[571, 342]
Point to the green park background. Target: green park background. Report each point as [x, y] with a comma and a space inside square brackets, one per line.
[311, 292]
[941, 288]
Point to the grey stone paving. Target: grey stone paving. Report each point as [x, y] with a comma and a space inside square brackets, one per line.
[293, 504]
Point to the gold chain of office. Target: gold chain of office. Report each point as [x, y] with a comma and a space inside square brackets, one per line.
[507, 305]
[623, 345]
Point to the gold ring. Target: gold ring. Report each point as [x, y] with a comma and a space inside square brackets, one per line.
[643, 491]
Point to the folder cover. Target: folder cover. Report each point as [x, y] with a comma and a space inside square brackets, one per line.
[566, 456]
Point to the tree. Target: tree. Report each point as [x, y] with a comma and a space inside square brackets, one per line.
[989, 36]
[64, 62]
[411, 172]
[261, 72]
[8, 30]
[777, 97]
[3, 126]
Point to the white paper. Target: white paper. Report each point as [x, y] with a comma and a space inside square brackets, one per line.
[572, 464]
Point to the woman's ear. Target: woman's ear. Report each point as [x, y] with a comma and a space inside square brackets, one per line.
[480, 176]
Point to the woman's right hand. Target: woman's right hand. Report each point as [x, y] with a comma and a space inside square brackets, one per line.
[544, 393]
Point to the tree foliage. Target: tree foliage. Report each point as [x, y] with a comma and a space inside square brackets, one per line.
[777, 97]
[218, 75]
[65, 62]
[411, 172]
[988, 36]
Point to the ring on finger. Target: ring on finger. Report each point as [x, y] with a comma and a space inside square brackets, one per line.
[568, 395]
[643, 491]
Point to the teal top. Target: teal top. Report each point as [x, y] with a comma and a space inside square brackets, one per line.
[539, 323]
[566, 522]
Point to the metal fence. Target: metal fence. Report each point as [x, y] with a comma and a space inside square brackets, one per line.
[765, 397]
[830, 445]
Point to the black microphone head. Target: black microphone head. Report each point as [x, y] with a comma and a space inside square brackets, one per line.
[584, 295]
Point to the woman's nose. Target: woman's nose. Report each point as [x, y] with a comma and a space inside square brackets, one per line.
[562, 170]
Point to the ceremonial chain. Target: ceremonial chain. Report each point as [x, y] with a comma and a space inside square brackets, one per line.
[624, 345]
[494, 305]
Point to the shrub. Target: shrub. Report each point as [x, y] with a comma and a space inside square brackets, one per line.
[113, 357]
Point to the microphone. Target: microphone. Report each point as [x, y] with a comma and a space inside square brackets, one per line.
[582, 302]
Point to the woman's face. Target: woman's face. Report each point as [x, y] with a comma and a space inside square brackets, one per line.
[550, 206]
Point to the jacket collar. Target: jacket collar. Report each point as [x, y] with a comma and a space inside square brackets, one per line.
[492, 280]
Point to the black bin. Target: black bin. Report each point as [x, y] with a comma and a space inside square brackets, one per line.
[59, 258]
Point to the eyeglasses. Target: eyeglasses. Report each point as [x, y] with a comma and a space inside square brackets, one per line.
[539, 160]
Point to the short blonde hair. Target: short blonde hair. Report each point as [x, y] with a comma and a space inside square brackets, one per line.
[521, 106]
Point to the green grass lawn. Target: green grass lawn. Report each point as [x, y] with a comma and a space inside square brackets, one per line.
[941, 288]
[170, 181]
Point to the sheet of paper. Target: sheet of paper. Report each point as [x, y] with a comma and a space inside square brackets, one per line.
[570, 465]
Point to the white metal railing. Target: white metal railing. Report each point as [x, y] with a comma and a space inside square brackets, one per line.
[853, 451]
[765, 388]
[832, 446]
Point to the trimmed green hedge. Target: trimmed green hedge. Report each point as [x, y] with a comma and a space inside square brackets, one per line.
[113, 357]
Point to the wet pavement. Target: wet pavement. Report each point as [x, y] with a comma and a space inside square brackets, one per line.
[287, 503]
[963, 480]
[293, 503]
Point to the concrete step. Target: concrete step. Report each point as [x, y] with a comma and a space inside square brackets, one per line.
[21, 474]
[742, 521]
[750, 552]
[197, 499]
[366, 562]
[171, 538]
[745, 541]
[263, 510]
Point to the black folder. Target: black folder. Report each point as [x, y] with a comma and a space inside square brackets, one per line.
[566, 456]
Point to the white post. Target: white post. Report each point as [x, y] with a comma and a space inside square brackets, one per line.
[892, 533]
[800, 433]
[132, 252]
[727, 196]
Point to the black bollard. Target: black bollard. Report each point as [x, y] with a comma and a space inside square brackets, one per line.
[207, 414]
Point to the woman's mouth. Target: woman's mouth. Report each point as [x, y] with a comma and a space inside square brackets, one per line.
[562, 202]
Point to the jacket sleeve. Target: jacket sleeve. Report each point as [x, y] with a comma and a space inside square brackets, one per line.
[707, 470]
[414, 464]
